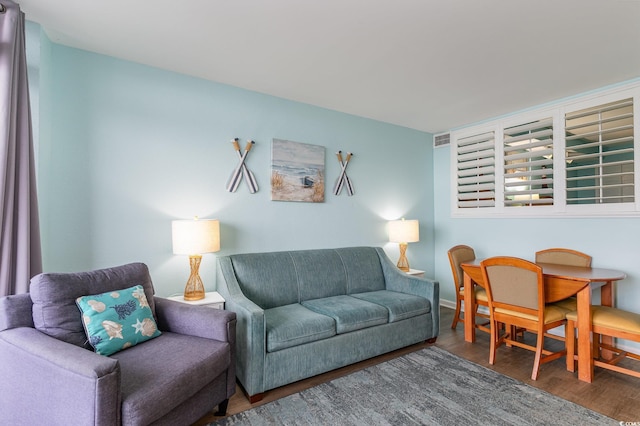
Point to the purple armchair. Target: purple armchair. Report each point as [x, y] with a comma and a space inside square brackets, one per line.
[50, 377]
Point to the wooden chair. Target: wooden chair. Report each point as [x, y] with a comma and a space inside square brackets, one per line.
[563, 256]
[457, 255]
[606, 321]
[515, 291]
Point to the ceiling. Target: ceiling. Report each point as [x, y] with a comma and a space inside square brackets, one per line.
[431, 65]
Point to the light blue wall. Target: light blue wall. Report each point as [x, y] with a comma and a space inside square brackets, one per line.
[126, 148]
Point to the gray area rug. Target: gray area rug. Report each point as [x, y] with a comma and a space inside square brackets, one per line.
[427, 387]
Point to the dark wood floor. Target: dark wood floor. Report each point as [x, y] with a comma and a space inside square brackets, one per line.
[613, 394]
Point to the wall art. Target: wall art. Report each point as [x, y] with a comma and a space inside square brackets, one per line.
[242, 171]
[297, 171]
[343, 180]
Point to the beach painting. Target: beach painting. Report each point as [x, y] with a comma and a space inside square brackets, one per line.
[297, 171]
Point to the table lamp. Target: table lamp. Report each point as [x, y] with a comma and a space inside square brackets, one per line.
[403, 232]
[195, 237]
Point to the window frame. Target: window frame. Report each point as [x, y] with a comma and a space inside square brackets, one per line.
[556, 113]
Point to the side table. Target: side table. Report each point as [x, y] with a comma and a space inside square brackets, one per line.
[212, 299]
[416, 273]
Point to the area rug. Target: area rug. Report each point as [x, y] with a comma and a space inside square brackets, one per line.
[427, 387]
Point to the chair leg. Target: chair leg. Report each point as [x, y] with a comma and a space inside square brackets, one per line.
[456, 316]
[570, 344]
[538, 358]
[222, 408]
[595, 346]
[494, 342]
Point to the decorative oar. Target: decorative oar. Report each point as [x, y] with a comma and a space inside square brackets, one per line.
[236, 176]
[343, 178]
[250, 179]
[338, 186]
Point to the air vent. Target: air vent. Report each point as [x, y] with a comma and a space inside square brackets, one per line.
[441, 140]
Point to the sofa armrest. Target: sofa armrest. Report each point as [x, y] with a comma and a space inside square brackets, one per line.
[251, 329]
[199, 321]
[397, 280]
[46, 378]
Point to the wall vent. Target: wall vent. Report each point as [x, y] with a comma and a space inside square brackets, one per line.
[441, 140]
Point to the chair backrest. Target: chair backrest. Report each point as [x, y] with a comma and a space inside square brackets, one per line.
[563, 256]
[514, 284]
[457, 255]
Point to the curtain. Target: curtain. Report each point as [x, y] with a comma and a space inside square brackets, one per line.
[20, 252]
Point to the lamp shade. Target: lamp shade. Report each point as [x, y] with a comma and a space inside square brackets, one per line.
[404, 231]
[196, 236]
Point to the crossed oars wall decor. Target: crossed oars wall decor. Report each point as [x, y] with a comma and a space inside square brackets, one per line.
[343, 179]
[242, 170]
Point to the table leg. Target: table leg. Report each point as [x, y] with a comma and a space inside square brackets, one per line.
[585, 357]
[469, 310]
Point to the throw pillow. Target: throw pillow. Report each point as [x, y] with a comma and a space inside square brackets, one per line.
[117, 319]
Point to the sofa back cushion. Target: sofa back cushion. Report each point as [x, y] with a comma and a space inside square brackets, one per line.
[267, 279]
[54, 297]
[282, 278]
[321, 273]
[363, 269]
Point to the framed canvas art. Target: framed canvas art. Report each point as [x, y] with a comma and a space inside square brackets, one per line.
[297, 171]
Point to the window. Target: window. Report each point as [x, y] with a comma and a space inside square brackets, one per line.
[575, 158]
[600, 154]
[528, 164]
[476, 171]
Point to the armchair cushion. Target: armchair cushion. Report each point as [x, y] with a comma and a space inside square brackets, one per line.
[54, 294]
[158, 375]
[117, 320]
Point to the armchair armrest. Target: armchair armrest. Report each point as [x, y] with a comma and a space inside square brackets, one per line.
[46, 378]
[15, 311]
[200, 321]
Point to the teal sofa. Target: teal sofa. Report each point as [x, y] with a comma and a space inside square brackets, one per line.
[302, 313]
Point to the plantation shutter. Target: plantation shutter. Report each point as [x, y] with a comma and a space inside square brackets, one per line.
[528, 164]
[600, 154]
[476, 171]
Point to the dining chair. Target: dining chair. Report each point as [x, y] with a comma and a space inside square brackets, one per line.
[606, 321]
[458, 255]
[515, 292]
[564, 256]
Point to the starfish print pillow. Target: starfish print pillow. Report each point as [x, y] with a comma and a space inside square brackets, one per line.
[117, 320]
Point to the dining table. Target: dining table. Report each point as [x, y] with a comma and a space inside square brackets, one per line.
[560, 282]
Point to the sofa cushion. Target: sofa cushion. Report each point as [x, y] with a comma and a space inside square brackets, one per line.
[294, 325]
[150, 389]
[349, 313]
[267, 279]
[320, 273]
[400, 305]
[363, 269]
[54, 297]
[117, 320]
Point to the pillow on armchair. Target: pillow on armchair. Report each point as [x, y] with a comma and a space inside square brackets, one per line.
[54, 295]
[117, 320]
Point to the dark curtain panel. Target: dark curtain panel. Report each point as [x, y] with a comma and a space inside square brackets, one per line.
[20, 253]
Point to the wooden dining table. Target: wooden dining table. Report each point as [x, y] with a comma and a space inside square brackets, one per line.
[560, 281]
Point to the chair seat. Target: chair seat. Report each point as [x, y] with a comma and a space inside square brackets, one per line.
[570, 304]
[613, 318]
[552, 313]
[481, 294]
